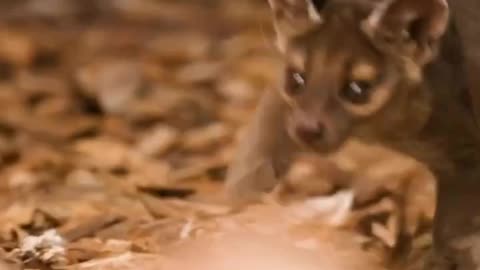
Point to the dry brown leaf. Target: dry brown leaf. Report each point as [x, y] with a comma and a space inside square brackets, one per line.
[103, 153]
[113, 83]
[207, 137]
[158, 141]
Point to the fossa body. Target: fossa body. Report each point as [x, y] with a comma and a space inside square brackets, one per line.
[389, 72]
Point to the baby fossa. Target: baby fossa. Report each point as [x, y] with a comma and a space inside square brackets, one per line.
[389, 72]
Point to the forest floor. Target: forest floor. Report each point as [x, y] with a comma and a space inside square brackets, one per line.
[118, 120]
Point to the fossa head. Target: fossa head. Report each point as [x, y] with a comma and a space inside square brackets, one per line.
[354, 67]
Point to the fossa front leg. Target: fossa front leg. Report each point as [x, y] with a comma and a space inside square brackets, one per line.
[452, 152]
[264, 153]
[456, 228]
[457, 222]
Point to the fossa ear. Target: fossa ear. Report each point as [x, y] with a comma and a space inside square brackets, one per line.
[413, 27]
[293, 17]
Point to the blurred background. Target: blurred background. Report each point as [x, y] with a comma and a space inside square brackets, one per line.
[118, 119]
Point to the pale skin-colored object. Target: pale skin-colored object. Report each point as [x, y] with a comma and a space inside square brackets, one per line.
[389, 72]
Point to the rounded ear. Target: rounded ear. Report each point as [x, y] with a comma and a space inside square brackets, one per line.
[415, 25]
[293, 17]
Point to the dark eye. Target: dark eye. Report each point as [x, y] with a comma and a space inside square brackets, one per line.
[319, 4]
[357, 92]
[295, 82]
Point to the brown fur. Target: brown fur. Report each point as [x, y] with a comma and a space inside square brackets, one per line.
[412, 55]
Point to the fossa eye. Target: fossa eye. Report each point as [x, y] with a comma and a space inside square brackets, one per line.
[295, 82]
[357, 92]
